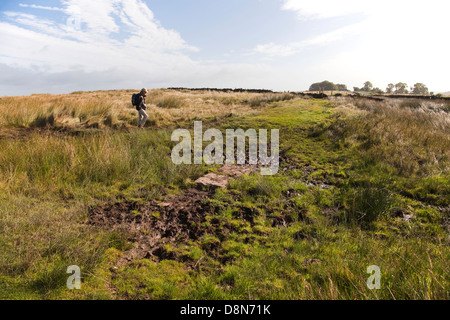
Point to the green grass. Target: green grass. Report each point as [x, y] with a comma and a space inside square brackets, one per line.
[47, 183]
[95, 162]
[348, 180]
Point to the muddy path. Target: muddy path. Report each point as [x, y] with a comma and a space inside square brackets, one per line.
[153, 225]
[177, 219]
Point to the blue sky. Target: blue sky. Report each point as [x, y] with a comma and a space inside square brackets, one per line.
[70, 45]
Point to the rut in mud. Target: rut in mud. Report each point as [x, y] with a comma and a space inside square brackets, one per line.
[151, 226]
[182, 218]
[177, 219]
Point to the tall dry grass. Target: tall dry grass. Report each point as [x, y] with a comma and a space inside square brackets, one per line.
[48, 163]
[114, 109]
[411, 136]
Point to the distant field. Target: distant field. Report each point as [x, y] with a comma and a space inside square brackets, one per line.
[361, 183]
[113, 109]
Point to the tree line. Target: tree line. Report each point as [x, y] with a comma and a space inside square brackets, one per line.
[399, 88]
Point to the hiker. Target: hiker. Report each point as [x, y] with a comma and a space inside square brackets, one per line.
[139, 102]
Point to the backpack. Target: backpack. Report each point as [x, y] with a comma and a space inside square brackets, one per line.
[135, 100]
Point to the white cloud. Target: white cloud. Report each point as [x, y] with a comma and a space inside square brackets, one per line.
[96, 43]
[321, 9]
[37, 24]
[97, 15]
[119, 44]
[385, 20]
[273, 50]
[39, 7]
[326, 8]
[395, 41]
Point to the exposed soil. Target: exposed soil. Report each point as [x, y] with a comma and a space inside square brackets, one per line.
[153, 225]
[177, 219]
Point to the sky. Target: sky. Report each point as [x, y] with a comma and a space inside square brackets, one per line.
[61, 46]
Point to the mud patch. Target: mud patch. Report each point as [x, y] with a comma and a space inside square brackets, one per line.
[153, 225]
[248, 214]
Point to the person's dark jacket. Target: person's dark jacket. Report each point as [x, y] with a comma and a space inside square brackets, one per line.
[141, 103]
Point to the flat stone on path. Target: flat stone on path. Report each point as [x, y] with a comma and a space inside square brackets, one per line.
[227, 172]
[213, 180]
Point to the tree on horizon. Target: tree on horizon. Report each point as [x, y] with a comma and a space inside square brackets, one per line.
[323, 86]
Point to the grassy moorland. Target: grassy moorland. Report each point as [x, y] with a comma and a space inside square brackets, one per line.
[361, 183]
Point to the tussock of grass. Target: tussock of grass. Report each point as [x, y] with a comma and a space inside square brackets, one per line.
[365, 204]
[170, 102]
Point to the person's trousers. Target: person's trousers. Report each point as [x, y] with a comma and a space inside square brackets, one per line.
[142, 117]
